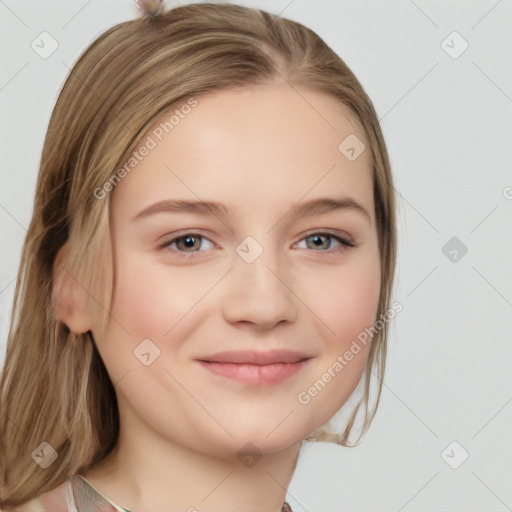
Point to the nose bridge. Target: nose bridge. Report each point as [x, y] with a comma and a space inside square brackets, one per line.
[253, 265]
[257, 292]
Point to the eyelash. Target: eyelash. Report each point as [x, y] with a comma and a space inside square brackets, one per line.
[345, 244]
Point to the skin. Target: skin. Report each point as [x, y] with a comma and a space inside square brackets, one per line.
[258, 150]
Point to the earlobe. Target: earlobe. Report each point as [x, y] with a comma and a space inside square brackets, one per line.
[69, 298]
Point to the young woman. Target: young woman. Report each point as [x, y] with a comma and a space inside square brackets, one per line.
[208, 271]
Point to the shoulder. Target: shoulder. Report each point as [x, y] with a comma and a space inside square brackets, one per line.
[56, 500]
[34, 505]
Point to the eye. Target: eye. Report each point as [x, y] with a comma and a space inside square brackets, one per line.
[322, 240]
[187, 243]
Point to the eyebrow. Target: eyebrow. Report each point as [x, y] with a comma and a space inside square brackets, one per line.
[304, 209]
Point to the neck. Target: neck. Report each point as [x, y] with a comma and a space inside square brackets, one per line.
[147, 473]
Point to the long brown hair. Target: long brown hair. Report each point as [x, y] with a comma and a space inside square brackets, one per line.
[54, 387]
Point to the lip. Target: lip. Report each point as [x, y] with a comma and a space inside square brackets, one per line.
[256, 357]
[253, 367]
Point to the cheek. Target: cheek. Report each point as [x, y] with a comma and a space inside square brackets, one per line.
[357, 306]
[348, 301]
[147, 304]
[347, 308]
[150, 300]
[141, 302]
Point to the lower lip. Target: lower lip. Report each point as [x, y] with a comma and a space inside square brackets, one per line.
[253, 373]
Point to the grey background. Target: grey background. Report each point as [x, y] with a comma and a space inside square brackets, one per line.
[447, 123]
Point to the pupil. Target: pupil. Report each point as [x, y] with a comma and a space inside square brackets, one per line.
[317, 240]
[189, 241]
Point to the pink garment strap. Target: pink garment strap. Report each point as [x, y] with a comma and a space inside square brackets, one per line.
[60, 499]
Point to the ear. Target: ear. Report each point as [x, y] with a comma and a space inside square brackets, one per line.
[69, 298]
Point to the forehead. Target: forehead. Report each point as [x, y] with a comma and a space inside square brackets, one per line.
[250, 147]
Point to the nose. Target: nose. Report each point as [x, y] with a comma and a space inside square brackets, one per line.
[259, 293]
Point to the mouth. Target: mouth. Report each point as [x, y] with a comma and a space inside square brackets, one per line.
[257, 368]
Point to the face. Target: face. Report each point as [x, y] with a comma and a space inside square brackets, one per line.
[232, 323]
